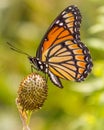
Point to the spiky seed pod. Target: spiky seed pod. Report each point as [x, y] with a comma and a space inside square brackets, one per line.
[32, 92]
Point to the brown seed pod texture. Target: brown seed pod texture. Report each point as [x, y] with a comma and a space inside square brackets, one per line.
[32, 92]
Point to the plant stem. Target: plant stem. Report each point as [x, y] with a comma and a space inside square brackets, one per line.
[25, 116]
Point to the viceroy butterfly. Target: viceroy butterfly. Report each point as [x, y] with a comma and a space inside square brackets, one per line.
[61, 54]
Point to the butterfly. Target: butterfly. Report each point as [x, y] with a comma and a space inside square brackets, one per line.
[61, 54]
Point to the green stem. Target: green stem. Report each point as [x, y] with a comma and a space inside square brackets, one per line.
[29, 113]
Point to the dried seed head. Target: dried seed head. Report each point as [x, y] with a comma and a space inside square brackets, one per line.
[32, 92]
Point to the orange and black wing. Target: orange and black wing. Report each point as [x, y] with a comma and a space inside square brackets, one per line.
[61, 48]
[69, 60]
[65, 27]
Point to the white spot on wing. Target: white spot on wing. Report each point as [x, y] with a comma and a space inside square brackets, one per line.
[63, 12]
[70, 8]
[75, 13]
[61, 24]
[40, 62]
[41, 67]
[57, 22]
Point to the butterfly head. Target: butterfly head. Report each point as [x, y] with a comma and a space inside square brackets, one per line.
[33, 62]
[39, 65]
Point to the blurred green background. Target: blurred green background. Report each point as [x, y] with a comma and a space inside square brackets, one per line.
[79, 106]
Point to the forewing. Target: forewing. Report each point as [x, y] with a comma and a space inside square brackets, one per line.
[65, 27]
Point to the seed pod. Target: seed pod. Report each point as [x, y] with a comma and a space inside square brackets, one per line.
[32, 92]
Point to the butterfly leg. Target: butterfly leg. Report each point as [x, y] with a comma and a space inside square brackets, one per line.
[32, 68]
[46, 77]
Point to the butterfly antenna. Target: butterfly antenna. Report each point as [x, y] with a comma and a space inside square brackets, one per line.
[17, 50]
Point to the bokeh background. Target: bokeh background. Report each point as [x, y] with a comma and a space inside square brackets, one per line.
[79, 106]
